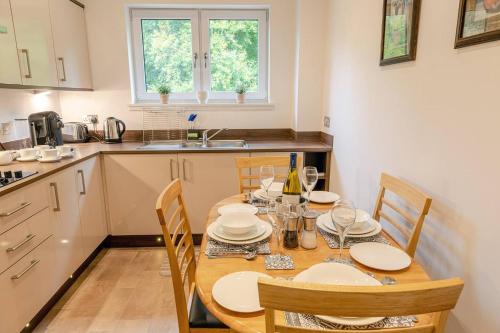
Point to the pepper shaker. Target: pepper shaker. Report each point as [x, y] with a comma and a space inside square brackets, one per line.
[291, 239]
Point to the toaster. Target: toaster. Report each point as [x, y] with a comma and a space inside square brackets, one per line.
[75, 132]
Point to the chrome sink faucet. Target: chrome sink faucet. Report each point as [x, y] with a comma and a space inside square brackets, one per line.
[206, 138]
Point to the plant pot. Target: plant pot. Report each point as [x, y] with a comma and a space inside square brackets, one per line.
[164, 98]
[240, 98]
[202, 97]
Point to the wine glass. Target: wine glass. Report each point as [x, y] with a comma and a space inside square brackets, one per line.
[266, 179]
[309, 180]
[343, 215]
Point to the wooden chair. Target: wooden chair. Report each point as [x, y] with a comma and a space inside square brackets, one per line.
[413, 197]
[249, 163]
[435, 297]
[192, 316]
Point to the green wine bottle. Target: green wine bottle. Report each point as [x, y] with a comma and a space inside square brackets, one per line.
[292, 189]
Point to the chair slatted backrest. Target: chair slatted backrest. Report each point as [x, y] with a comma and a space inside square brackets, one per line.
[413, 197]
[180, 247]
[433, 297]
[249, 181]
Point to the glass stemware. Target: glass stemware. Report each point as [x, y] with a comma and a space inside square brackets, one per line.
[343, 215]
[309, 180]
[266, 176]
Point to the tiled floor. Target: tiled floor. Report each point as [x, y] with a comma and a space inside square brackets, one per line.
[122, 291]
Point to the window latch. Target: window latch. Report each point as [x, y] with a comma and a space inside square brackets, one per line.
[206, 59]
[195, 60]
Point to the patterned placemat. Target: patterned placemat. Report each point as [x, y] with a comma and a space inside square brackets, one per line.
[333, 240]
[214, 246]
[313, 322]
[279, 262]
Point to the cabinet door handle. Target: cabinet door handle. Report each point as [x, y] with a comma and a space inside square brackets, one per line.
[56, 193]
[184, 169]
[24, 271]
[84, 189]
[61, 59]
[21, 243]
[28, 64]
[171, 169]
[12, 212]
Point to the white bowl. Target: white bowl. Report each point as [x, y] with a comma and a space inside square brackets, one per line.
[238, 223]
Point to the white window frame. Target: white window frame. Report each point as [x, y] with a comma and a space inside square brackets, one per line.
[139, 76]
[200, 46]
[261, 17]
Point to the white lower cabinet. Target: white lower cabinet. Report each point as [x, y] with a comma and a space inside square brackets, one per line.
[27, 285]
[91, 204]
[133, 183]
[63, 192]
[207, 178]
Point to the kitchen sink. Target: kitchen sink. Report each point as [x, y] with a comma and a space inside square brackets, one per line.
[211, 144]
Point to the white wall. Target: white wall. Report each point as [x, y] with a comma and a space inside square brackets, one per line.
[433, 122]
[109, 58]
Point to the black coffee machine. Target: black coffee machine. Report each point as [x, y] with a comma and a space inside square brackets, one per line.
[45, 128]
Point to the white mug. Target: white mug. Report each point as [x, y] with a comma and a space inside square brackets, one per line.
[28, 153]
[6, 157]
[49, 153]
[64, 150]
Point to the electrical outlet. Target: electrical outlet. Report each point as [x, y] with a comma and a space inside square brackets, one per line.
[326, 121]
[91, 119]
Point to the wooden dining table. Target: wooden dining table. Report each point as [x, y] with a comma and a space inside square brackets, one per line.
[210, 270]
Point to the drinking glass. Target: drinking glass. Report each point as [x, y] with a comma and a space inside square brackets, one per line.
[343, 215]
[309, 180]
[266, 179]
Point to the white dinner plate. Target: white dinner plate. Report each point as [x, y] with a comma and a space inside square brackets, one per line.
[27, 159]
[238, 291]
[49, 160]
[261, 194]
[266, 234]
[323, 197]
[237, 208]
[343, 275]
[258, 231]
[380, 256]
[324, 222]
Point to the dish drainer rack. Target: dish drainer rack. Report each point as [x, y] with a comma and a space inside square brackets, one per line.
[161, 125]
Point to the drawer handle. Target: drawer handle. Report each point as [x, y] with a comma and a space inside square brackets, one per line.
[32, 264]
[22, 206]
[21, 243]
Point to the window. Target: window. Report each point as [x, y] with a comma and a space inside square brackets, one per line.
[192, 50]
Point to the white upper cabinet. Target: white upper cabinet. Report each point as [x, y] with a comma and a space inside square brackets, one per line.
[9, 63]
[70, 43]
[34, 42]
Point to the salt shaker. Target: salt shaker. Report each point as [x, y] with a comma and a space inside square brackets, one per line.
[309, 238]
[291, 239]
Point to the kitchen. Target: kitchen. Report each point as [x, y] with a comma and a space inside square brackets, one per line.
[109, 107]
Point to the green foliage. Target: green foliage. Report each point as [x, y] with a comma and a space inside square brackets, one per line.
[241, 89]
[168, 55]
[234, 46]
[164, 90]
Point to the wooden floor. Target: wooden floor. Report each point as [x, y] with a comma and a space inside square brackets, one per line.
[124, 290]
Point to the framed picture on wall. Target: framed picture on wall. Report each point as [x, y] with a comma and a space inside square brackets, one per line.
[478, 22]
[399, 31]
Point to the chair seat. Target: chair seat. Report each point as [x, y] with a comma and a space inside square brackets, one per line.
[200, 317]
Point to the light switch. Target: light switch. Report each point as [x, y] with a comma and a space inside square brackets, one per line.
[3, 30]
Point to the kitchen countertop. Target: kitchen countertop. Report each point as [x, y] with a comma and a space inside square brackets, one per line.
[85, 151]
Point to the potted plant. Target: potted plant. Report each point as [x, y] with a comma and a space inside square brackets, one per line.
[164, 92]
[241, 91]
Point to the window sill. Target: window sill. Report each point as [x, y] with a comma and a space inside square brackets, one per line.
[249, 106]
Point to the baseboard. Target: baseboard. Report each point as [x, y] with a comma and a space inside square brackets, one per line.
[143, 240]
[60, 292]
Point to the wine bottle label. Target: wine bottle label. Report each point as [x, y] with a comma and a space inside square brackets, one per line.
[293, 199]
